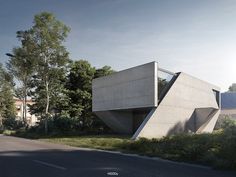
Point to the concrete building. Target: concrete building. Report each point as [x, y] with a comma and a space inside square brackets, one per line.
[228, 105]
[148, 101]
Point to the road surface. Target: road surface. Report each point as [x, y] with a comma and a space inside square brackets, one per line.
[30, 158]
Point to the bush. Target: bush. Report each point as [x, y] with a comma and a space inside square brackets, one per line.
[12, 124]
[64, 124]
[224, 121]
[227, 147]
[216, 149]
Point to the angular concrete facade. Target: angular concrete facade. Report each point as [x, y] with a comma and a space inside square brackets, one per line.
[139, 101]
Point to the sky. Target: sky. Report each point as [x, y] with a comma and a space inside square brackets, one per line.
[195, 37]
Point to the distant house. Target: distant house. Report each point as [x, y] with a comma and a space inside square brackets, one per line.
[30, 118]
[228, 104]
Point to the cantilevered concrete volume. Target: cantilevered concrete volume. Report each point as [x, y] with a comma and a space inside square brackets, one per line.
[148, 101]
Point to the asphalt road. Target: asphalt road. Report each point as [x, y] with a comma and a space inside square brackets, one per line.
[29, 158]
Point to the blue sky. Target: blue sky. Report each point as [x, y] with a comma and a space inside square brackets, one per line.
[196, 37]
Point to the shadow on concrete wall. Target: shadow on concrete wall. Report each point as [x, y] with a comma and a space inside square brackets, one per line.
[197, 121]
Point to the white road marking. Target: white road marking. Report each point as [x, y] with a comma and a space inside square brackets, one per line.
[50, 165]
[112, 173]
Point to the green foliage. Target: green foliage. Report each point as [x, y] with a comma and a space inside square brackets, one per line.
[232, 88]
[7, 103]
[22, 66]
[107, 142]
[224, 122]
[51, 58]
[71, 100]
[217, 149]
[162, 83]
[79, 92]
[7, 106]
[79, 86]
[65, 124]
[11, 123]
[60, 88]
[56, 125]
[226, 156]
[104, 71]
[22, 62]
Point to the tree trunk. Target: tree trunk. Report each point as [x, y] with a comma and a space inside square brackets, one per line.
[1, 124]
[47, 107]
[23, 109]
[24, 106]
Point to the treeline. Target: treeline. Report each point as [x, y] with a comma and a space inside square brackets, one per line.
[40, 69]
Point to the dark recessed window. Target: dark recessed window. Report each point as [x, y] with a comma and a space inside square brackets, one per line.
[217, 96]
[164, 79]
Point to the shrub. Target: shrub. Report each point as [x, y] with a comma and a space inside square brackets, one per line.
[227, 148]
[216, 149]
[224, 121]
[11, 123]
[64, 124]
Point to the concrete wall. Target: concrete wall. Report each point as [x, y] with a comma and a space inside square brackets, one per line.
[178, 107]
[132, 88]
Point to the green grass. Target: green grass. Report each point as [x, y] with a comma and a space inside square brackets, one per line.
[7, 132]
[105, 142]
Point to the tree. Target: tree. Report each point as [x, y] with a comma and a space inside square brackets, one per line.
[7, 106]
[79, 91]
[104, 71]
[232, 88]
[79, 86]
[48, 34]
[22, 65]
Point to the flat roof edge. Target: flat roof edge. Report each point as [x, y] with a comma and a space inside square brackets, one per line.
[123, 70]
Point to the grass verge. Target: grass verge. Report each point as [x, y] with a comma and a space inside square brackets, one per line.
[105, 142]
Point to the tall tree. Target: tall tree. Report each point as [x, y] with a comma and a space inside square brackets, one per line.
[7, 106]
[48, 34]
[232, 88]
[79, 87]
[22, 65]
